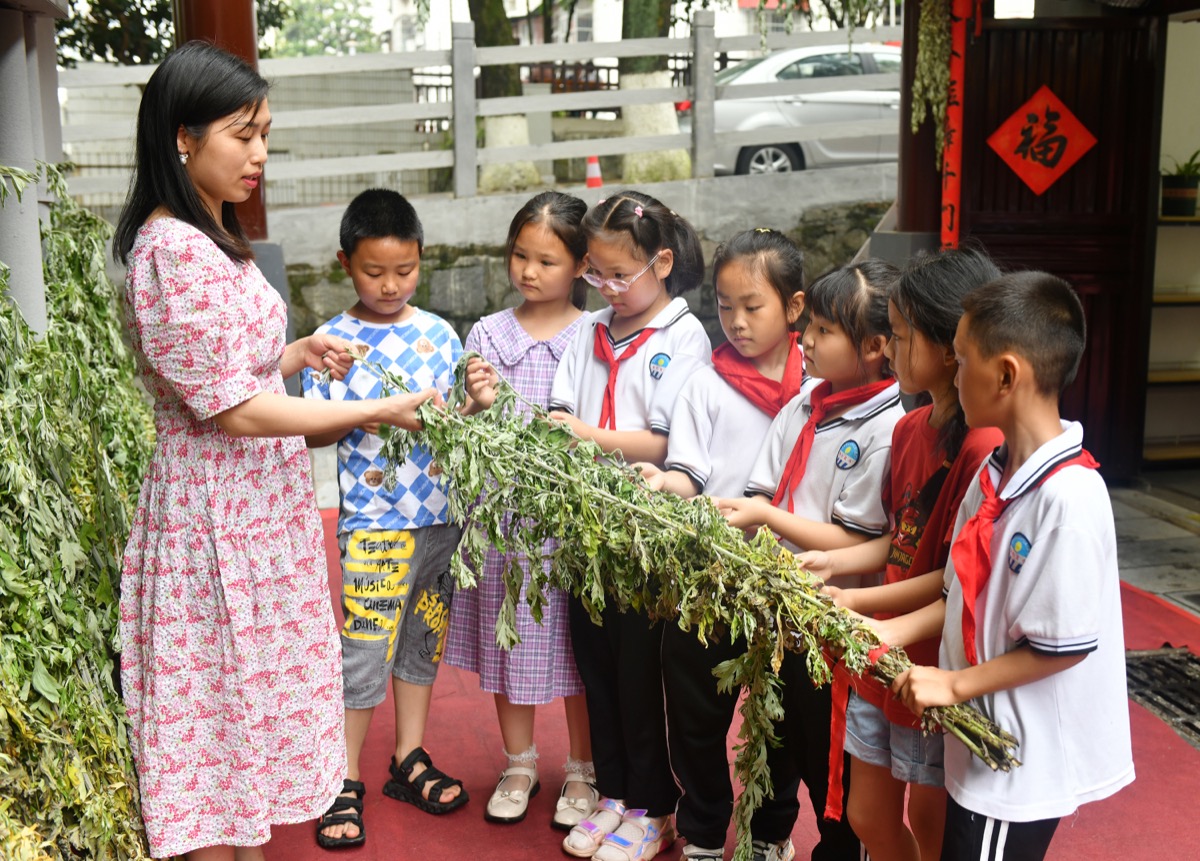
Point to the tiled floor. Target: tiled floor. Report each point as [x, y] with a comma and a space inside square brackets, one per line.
[1158, 545]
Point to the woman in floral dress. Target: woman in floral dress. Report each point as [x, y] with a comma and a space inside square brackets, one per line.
[230, 662]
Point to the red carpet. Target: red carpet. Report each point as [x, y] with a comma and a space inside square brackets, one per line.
[1149, 820]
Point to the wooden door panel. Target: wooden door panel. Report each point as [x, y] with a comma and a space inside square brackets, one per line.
[1093, 227]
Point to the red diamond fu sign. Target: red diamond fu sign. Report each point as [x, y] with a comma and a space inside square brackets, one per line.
[1042, 140]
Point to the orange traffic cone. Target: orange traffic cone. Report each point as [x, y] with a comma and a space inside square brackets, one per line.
[594, 180]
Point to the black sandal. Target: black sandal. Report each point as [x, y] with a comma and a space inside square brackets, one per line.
[404, 787]
[344, 811]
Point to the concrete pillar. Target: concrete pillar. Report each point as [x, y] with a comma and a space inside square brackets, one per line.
[47, 74]
[20, 239]
[704, 93]
[540, 130]
[42, 67]
[462, 68]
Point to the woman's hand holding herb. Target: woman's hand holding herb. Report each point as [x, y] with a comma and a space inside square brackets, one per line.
[401, 410]
[324, 352]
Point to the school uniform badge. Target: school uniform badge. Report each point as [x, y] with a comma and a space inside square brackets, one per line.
[848, 454]
[658, 364]
[1018, 550]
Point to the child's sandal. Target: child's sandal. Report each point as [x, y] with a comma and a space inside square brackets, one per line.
[585, 837]
[344, 811]
[405, 787]
[638, 838]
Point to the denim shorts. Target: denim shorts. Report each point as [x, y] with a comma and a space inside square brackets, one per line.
[396, 594]
[912, 755]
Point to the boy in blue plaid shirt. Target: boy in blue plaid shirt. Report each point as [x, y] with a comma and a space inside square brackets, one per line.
[396, 544]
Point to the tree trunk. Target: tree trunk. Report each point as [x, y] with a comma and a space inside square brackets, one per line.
[492, 29]
[647, 19]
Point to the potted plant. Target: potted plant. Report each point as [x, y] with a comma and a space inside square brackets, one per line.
[1179, 187]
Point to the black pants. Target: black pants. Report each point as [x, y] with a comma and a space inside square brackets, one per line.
[698, 719]
[804, 758]
[620, 664]
[975, 837]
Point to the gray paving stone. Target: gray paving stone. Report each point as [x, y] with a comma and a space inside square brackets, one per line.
[1148, 529]
[1179, 552]
[1162, 578]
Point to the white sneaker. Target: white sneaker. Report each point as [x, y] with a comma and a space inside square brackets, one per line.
[764, 851]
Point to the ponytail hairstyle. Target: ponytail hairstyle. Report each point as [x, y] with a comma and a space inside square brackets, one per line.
[561, 214]
[649, 227]
[855, 296]
[770, 255]
[929, 296]
[193, 87]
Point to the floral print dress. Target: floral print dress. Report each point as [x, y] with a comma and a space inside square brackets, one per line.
[230, 662]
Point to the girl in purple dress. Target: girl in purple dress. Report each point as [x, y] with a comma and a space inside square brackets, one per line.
[545, 261]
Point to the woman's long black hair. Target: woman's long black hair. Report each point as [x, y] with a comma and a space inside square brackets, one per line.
[195, 85]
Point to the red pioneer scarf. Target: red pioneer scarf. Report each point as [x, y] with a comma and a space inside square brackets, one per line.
[972, 548]
[766, 394]
[823, 403]
[602, 350]
[840, 693]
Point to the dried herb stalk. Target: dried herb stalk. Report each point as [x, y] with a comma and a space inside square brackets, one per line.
[516, 485]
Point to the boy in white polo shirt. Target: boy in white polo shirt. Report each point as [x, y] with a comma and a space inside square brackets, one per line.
[1032, 631]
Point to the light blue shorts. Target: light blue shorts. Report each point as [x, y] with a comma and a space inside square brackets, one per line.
[912, 755]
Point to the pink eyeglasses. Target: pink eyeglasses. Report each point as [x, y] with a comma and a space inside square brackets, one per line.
[618, 285]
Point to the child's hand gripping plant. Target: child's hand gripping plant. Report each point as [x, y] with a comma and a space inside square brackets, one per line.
[516, 484]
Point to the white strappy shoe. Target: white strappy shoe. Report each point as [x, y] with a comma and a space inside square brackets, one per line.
[570, 810]
[509, 806]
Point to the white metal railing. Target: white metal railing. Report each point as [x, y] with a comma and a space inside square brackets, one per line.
[463, 61]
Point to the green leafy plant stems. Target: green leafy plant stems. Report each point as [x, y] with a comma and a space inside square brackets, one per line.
[75, 438]
[931, 75]
[519, 485]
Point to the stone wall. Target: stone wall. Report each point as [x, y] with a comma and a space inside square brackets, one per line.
[463, 282]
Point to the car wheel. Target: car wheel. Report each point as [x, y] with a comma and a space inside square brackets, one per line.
[770, 158]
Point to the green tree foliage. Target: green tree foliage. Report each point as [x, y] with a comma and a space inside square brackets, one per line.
[319, 27]
[75, 439]
[134, 32]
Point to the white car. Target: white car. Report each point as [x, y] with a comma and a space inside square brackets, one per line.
[834, 62]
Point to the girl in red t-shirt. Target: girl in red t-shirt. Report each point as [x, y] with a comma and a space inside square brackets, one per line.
[934, 457]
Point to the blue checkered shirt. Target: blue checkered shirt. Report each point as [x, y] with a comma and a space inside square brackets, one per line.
[422, 349]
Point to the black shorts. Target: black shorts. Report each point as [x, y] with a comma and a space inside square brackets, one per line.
[975, 837]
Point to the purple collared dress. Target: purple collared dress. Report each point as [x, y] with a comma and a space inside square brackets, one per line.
[542, 666]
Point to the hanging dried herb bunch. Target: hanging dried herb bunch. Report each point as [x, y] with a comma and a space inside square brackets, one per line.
[931, 77]
[516, 484]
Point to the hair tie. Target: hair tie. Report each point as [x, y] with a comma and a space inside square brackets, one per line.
[762, 230]
[637, 210]
[600, 202]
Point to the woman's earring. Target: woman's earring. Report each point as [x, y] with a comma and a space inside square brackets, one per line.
[183, 157]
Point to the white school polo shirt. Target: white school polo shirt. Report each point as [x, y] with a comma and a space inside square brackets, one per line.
[639, 404]
[847, 465]
[716, 433]
[1054, 587]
